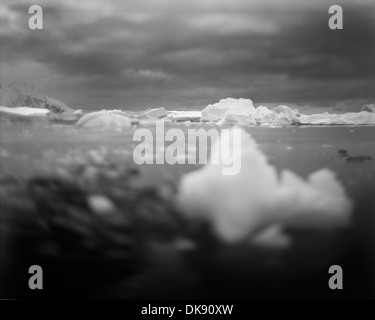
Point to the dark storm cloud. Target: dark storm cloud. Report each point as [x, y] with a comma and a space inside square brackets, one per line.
[193, 54]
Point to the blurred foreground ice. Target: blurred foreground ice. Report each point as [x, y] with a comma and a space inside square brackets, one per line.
[259, 199]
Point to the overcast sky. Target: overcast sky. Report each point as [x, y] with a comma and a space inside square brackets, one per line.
[186, 54]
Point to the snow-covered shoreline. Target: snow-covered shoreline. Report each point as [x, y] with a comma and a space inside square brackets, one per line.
[24, 111]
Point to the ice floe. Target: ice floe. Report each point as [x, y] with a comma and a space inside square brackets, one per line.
[281, 115]
[65, 116]
[242, 112]
[263, 115]
[272, 237]
[239, 207]
[24, 111]
[185, 115]
[226, 112]
[351, 118]
[152, 113]
[286, 115]
[100, 204]
[105, 119]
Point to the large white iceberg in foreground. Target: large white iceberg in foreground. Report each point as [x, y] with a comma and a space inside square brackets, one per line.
[239, 206]
[229, 106]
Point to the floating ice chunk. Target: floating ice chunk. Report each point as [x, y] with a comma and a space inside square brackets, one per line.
[217, 111]
[239, 119]
[242, 112]
[25, 111]
[281, 115]
[286, 115]
[362, 117]
[100, 204]
[319, 201]
[65, 116]
[272, 237]
[185, 115]
[263, 115]
[350, 118]
[104, 119]
[155, 113]
[239, 206]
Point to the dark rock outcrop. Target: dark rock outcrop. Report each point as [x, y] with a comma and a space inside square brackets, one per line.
[369, 108]
[18, 94]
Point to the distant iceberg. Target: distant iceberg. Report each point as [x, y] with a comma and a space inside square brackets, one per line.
[226, 112]
[351, 118]
[24, 111]
[226, 107]
[185, 115]
[242, 112]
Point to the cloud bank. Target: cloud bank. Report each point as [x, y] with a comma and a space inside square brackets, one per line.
[187, 54]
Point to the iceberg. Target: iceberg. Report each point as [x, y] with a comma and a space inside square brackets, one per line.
[286, 115]
[242, 112]
[180, 116]
[239, 119]
[105, 119]
[350, 118]
[24, 111]
[65, 117]
[240, 207]
[263, 115]
[217, 111]
[155, 113]
[281, 115]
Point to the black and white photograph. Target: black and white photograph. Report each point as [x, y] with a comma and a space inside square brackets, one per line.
[190, 151]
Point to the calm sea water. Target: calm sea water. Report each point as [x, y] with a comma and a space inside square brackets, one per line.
[29, 149]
